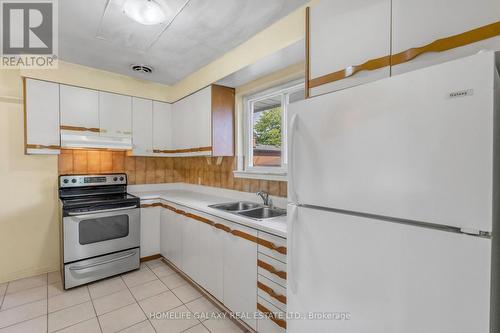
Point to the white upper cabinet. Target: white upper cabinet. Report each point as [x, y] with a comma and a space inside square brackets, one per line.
[79, 110]
[162, 126]
[344, 36]
[416, 24]
[201, 108]
[42, 117]
[142, 126]
[115, 113]
[192, 117]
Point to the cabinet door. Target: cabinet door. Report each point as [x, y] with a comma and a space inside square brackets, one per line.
[190, 247]
[182, 133]
[171, 241]
[211, 262]
[115, 113]
[344, 36]
[80, 109]
[142, 126]
[42, 117]
[150, 231]
[240, 273]
[416, 24]
[201, 109]
[162, 126]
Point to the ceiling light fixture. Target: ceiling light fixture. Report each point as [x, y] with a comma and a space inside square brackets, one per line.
[147, 12]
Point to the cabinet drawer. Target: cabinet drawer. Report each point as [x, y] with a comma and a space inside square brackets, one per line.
[272, 269]
[272, 246]
[271, 292]
[267, 323]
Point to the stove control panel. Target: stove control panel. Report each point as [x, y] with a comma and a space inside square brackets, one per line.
[92, 180]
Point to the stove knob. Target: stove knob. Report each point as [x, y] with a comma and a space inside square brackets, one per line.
[122, 179]
[66, 181]
[115, 179]
[73, 180]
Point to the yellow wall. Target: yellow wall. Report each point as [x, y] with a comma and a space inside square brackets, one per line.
[29, 238]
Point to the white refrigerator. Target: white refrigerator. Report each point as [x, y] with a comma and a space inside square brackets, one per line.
[392, 214]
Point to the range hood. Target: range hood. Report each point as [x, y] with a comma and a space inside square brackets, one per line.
[80, 140]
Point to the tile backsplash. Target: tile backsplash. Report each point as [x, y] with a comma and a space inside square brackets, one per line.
[155, 170]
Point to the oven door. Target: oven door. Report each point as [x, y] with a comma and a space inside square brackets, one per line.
[100, 232]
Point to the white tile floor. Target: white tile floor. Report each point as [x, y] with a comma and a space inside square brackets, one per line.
[119, 304]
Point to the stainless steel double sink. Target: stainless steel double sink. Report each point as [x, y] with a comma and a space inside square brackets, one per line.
[250, 209]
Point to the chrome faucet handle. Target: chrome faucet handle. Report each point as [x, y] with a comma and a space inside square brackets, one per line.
[265, 197]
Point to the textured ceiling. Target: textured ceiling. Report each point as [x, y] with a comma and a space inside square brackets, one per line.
[96, 33]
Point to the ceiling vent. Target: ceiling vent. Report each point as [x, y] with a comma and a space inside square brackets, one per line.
[142, 69]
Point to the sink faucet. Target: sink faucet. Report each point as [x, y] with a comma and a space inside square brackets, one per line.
[265, 197]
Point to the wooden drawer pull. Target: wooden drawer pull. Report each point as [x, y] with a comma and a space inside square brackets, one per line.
[272, 246]
[222, 227]
[280, 322]
[244, 235]
[156, 204]
[32, 146]
[80, 129]
[271, 292]
[201, 219]
[271, 269]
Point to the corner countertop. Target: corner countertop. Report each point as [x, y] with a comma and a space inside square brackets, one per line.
[199, 198]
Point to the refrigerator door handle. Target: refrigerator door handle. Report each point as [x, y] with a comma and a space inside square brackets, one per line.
[291, 249]
[291, 171]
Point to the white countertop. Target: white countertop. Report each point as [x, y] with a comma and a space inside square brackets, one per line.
[199, 198]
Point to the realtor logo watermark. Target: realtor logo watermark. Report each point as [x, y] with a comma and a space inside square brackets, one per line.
[29, 37]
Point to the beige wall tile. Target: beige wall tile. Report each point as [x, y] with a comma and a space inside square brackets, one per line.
[106, 161]
[94, 161]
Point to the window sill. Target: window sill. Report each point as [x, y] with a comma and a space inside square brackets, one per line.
[276, 176]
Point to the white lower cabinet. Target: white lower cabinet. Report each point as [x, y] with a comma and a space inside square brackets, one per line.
[271, 318]
[150, 229]
[211, 261]
[170, 237]
[190, 247]
[240, 273]
[221, 257]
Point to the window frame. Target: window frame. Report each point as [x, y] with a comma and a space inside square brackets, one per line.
[285, 90]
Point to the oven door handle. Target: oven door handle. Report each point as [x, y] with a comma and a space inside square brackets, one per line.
[102, 211]
[80, 268]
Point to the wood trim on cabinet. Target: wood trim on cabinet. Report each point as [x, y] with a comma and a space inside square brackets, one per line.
[272, 246]
[32, 146]
[151, 257]
[439, 45]
[271, 292]
[369, 65]
[186, 150]
[244, 235]
[448, 43]
[200, 219]
[308, 52]
[80, 129]
[222, 227]
[156, 204]
[195, 217]
[271, 269]
[280, 322]
[223, 108]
